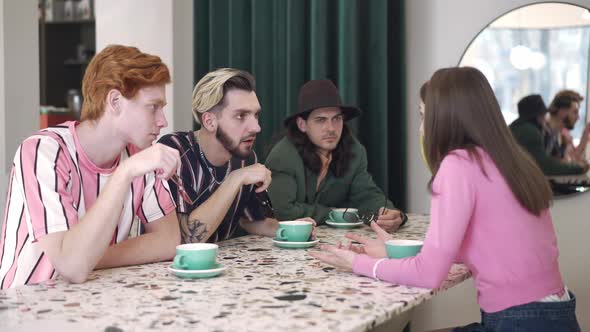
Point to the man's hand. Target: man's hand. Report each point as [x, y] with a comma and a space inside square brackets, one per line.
[256, 174]
[584, 164]
[389, 220]
[164, 159]
[586, 133]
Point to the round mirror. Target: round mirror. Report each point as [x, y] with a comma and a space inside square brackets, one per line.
[536, 49]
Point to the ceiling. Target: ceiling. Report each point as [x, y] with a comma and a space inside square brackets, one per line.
[544, 15]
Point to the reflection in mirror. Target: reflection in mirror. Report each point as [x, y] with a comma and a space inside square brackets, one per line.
[535, 52]
[540, 48]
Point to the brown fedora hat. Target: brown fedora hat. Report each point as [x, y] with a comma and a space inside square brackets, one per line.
[321, 93]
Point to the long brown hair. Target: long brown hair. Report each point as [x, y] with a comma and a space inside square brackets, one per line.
[461, 112]
[341, 155]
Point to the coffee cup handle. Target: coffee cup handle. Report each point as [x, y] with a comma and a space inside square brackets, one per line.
[330, 215]
[178, 262]
[280, 234]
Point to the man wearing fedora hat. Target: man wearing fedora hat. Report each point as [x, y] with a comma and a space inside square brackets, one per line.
[528, 131]
[320, 165]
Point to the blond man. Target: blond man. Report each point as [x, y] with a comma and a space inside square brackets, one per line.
[220, 183]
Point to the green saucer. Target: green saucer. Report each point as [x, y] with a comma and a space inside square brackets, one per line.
[197, 274]
[295, 245]
[344, 225]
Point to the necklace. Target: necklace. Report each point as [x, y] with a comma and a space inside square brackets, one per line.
[209, 168]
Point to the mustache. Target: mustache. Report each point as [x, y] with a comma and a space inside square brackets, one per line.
[253, 135]
[330, 136]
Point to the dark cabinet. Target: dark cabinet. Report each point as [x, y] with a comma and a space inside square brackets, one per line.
[65, 48]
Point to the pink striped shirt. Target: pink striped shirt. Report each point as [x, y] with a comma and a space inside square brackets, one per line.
[476, 220]
[52, 184]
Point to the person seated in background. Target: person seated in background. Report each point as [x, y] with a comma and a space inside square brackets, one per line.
[564, 113]
[76, 188]
[528, 131]
[510, 246]
[220, 183]
[320, 165]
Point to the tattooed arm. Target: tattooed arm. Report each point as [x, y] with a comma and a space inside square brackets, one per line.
[193, 230]
[203, 220]
[206, 218]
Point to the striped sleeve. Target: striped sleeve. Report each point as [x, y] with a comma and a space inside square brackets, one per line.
[174, 141]
[43, 173]
[156, 201]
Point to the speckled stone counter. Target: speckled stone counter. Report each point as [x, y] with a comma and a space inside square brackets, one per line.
[265, 288]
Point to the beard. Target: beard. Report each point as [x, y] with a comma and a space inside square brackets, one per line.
[568, 123]
[228, 144]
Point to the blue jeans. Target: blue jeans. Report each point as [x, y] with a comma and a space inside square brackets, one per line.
[534, 316]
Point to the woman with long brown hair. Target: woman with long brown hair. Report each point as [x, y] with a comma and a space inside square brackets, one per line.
[489, 211]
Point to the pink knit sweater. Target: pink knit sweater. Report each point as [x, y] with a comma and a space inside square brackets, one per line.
[476, 220]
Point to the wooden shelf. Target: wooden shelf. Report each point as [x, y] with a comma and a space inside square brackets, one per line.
[90, 21]
[61, 69]
[76, 62]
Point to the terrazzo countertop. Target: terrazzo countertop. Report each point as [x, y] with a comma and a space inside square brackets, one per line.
[265, 288]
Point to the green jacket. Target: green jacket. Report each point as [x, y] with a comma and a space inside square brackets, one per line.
[530, 138]
[292, 190]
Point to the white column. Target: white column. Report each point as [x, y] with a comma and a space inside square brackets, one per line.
[159, 27]
[19, 80]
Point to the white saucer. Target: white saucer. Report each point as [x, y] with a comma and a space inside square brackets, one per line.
[197, 273]
[295, 245]
[343, 224]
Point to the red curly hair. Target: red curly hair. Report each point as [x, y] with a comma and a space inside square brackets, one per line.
[123, 68]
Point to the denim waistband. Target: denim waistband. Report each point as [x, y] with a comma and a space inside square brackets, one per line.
[534, 316]
[562, 309]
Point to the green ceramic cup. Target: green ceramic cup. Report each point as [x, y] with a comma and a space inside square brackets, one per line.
[403, 248]
[195, 256]
[344, 215]
[294, 231]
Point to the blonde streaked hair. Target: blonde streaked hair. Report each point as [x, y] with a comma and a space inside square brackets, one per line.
[211, 89]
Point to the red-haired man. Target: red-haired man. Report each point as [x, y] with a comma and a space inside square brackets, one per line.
[76, 188]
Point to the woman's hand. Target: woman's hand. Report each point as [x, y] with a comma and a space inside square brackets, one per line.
[372, 247]
[340, 258]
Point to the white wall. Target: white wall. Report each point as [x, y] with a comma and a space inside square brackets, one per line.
[2, 102]
[159, 27]
[570, 217]
[437, 34]
[19, 80]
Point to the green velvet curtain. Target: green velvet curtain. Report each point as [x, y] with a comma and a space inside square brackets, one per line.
[284, 43]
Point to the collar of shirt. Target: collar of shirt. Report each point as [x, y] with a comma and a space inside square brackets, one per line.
[324, 170]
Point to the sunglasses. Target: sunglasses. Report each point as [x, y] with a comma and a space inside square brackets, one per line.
[262, 197]
[264, 201]
[181, 190]
[174, 178]
[371, 216]
[368, 217]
